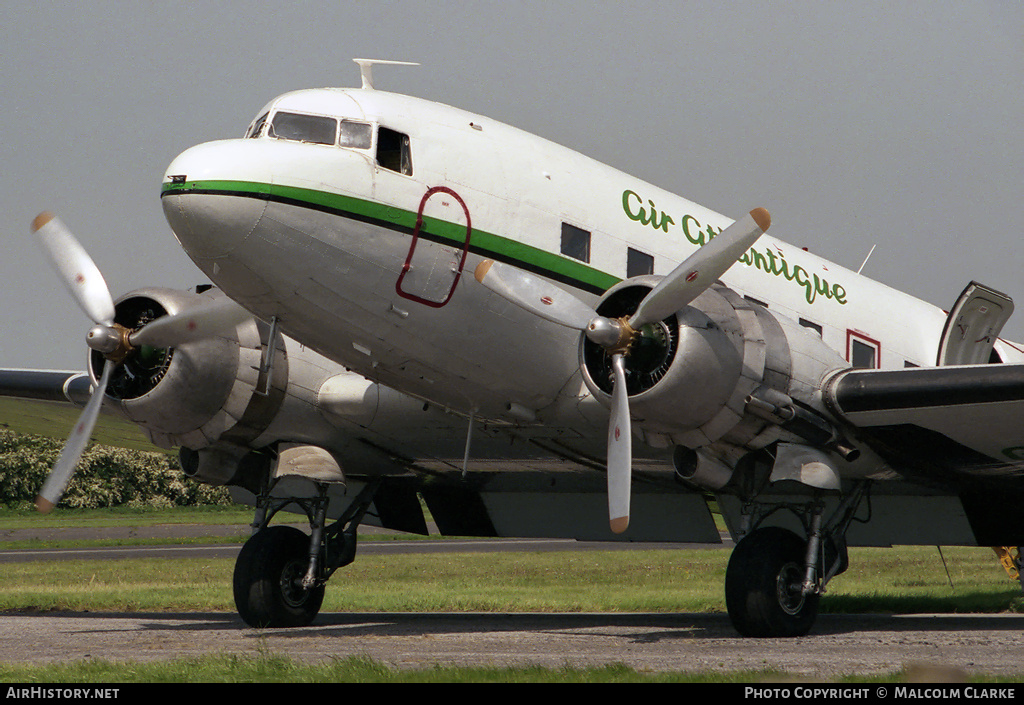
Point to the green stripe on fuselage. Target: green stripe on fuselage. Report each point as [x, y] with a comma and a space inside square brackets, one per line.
[482, 243]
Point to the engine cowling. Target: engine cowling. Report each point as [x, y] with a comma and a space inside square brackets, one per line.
[699, 377]
[230, 402]
[200, 392]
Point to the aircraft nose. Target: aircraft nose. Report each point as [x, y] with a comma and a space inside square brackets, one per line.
[211, 197]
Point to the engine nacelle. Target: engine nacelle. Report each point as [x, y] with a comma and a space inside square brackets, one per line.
[199, 392]
[233, 401]
[721, 369]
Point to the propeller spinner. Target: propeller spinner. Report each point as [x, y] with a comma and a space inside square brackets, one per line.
[616, 335]
[84, 281]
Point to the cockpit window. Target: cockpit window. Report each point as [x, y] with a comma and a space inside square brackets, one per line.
[356, 134]
[313, 129]
[304, 128]
[257, 126]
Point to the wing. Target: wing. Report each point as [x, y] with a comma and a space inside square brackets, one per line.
[48, 402]
[952, 422]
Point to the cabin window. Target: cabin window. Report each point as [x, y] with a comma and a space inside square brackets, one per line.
[393, 151]
[257, 126]
[313, 129]
[862, 351]
[575, 242]
[812, 325]
[638, 263]
[355, 134]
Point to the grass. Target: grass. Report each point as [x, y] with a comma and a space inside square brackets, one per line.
[360, 669]
[13, 519]
[267, 668]
[264, 668]
[899, 580]
[633, 581]
[909, 579]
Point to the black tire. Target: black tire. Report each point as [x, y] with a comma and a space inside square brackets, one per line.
[759, 585]
[267, 571]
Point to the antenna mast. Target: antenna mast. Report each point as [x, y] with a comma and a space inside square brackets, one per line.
[366, 68]
[867, 258]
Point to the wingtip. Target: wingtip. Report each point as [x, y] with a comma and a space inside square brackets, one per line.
[42, 219]
[619, 524]
[43, 505]
[762, 218]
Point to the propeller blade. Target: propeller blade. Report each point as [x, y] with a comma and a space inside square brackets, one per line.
[79, 273]
[534, 294]
[59, 477]
[701, 269]
[204, 321]
[620, 451]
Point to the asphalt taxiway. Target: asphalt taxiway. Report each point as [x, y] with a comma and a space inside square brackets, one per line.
[384, 542]
[839, 645]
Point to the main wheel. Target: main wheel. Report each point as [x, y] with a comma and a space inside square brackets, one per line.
[762, 585]
[268, 580]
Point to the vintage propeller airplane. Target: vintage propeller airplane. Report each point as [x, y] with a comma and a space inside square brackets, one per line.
[619, 359]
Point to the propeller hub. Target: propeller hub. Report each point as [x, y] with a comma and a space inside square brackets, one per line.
[613, 334]
[110, 341]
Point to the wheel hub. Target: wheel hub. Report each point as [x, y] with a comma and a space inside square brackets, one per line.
[789, 590]
[292, 591]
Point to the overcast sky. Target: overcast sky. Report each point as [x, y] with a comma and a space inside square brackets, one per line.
[857, 124]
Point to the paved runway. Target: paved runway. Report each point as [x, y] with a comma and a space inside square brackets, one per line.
[367, 546]
[840, 644]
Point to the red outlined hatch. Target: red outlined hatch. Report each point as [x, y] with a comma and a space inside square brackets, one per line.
[434, 265]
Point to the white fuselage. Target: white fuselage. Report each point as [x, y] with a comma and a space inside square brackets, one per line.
[365, 252]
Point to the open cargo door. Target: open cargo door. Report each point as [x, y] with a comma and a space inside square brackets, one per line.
[973, 325]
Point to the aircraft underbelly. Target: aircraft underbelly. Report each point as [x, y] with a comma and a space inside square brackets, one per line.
[584, 517]
[506, 512]
[907, 520]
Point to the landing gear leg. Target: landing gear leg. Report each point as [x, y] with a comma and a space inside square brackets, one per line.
[268, 580]
[281, 573]
[775, 578]
[764, 585]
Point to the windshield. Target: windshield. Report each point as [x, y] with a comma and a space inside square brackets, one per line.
[257, 126]
[356, 134]
[304, 128]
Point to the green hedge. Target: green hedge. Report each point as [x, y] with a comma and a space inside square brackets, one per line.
[105, 477]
